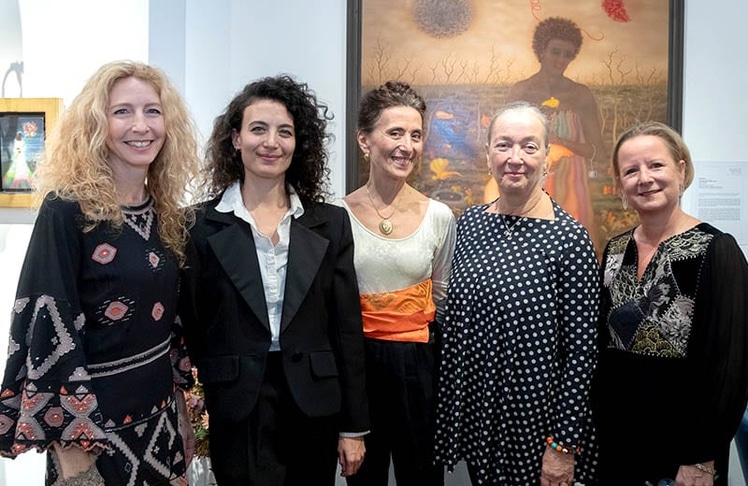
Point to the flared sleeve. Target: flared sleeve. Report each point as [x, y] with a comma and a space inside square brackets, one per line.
[47, 395]
[720, 345]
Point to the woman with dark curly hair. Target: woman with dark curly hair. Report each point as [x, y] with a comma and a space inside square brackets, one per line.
[271, 304]
[576, 136]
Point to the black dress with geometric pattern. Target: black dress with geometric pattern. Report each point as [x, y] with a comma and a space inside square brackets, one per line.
[672, 380]
[95, 349]
[518, 346]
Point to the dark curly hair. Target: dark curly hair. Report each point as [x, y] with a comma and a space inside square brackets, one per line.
[308, 172]
[388, 95]
[556, 28]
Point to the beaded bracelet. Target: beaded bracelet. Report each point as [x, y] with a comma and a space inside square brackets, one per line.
[561, 448]
[704, 468]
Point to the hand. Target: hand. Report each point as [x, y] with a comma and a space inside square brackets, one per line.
[558, 468]
[351, 452]
[185, 427]
[73, 461]
[691, 476]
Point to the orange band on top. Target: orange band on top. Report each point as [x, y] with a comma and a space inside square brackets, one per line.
[402, 315]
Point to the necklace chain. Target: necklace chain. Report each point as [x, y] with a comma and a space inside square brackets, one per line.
[385, 226]
[509, 228]
[522, 216]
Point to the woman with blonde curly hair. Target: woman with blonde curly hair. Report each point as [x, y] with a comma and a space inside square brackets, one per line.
[95, 350]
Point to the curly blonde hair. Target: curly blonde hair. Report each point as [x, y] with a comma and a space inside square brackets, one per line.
[74, 165]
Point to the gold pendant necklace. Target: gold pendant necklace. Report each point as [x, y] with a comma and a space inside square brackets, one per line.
[385, 226]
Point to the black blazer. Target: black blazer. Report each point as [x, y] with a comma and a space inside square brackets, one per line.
[321, 337]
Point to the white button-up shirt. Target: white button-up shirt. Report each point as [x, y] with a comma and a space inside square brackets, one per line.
[273, 260]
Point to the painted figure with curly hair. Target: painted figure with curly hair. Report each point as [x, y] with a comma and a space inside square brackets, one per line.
[576, 138]
[271, 305]
[96, 355]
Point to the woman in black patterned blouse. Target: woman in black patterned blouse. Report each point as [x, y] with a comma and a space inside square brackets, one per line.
[95, 358]
[672, 378]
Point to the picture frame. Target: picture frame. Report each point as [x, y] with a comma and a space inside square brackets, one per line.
[24, 123]
[464, 62]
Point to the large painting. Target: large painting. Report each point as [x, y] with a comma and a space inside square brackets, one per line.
[593, 67]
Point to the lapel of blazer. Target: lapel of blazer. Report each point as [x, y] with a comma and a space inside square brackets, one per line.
[235, 250]
[305, 255]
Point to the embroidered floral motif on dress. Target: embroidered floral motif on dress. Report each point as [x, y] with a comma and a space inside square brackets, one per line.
[115, 311]
[111, 311]
[158, 311]
[70, 415]
[104, 253]
[155, 259]
[657, 321]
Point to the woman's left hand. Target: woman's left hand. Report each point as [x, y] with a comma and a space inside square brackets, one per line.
[558, 468]
[692, 476]
[351, 452]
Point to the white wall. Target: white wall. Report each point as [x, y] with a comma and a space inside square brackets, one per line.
[211, 49]
[303, 39]
[715, 81]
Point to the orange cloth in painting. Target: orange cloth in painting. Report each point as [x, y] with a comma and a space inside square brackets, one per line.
[401, 315]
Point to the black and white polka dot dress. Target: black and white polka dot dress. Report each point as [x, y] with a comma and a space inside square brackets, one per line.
[518, 346]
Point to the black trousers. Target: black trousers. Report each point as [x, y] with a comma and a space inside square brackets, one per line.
[401, 381]
[277, 445]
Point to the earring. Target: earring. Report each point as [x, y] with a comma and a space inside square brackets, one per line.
[490, 172]
[624, 202]
[681, 189]
[367, 156]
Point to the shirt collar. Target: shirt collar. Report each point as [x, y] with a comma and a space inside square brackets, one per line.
[231, 202]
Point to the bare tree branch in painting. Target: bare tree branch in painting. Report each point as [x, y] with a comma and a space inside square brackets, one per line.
[650, 85]
[617, 74]
[380, 61]
[412, 70]
[448, 66]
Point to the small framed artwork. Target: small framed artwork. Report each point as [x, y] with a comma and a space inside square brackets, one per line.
[593, 67]
[24, 123]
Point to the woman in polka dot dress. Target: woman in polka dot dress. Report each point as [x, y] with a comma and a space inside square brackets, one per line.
[519, 336]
